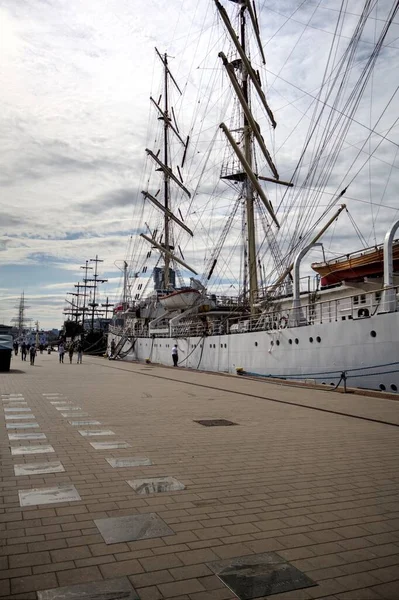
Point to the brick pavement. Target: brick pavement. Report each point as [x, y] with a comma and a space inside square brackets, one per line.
[321, 489]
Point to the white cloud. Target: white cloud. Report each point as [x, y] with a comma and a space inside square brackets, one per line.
[75, 80]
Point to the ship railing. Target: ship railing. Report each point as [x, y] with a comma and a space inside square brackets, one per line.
[356, 306]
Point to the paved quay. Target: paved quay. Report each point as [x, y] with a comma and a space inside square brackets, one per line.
[303, 492]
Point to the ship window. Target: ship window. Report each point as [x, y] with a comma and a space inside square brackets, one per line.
[355, 299]
[296, 341]
[256, 343]
[382, 387]
[139, 286]
[373, 333]
[394, 387]
[363, 299]
[318, 339]
[311, 340]
[144, 269]
[290, 341]
[377, 296]
[278, 343]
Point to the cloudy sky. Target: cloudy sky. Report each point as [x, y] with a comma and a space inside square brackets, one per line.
[75, 80]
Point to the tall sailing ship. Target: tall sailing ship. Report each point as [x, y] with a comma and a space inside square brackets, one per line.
[342, 322]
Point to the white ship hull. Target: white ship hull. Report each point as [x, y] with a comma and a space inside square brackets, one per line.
[367, 349]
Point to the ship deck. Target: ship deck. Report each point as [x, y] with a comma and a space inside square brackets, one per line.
[307, 475]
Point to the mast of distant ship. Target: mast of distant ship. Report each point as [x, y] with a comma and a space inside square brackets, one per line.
[164, 245]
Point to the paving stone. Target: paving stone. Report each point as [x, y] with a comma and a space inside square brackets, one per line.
[38, 468]
[112, 589]
[260, 575]
[109, 445]
[129, 461]
[154, 485]
[88, 432]
[19, 417]
[60, 493]
[16, 410]
[13, 437]
[87, 422]
[42, 449]
[131, 528]
[68, 415]
[22, 426]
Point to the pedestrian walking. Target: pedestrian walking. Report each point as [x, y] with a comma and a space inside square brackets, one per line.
[61, 352]
[79, 350]
[175, 355]
[23, 351]
[16, 348]
[70, 352]
[32, 354]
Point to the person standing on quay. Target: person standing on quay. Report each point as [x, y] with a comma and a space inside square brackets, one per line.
[32, 354]
[70, 352]
[80, 352]
[61, 352]
[175, 355]
[23, 351]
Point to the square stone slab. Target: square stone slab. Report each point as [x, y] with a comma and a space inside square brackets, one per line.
[109, 445]
[155, 485]
[88, 422]
[88, 432]
[68, 414]
[22, 425]
[133, 527]
[259, 575]
[62, 402]
[26, 436]
[16, 409]
[215, 423]
[129, 461]
[39, 468]
[42, 449]
[64, 492]
[14, 402]
[19, 417]
[110, 589]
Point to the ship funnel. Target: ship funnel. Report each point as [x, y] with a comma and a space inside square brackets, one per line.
[297, 317]
[388, 303]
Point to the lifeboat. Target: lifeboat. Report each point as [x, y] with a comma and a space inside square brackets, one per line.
[180, 299]
[364, 263]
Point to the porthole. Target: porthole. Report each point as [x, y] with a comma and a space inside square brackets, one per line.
[382, 387]
[290, 341]
[221, 345]
[332, 383]
[225, 345]
[318, 339]
[311, 340]
[373, 333]
[394, 387]
[272, 343]
[277, 342]
[256, 343]
[296, 341]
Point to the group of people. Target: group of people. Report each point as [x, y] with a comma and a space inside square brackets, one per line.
[26, 349]
[70, 349]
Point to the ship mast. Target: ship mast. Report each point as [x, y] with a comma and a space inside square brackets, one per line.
[249, 193]
[251, 188]
[166, 114]
[166, 174]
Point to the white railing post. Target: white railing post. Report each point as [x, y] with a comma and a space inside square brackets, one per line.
[388, 303]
